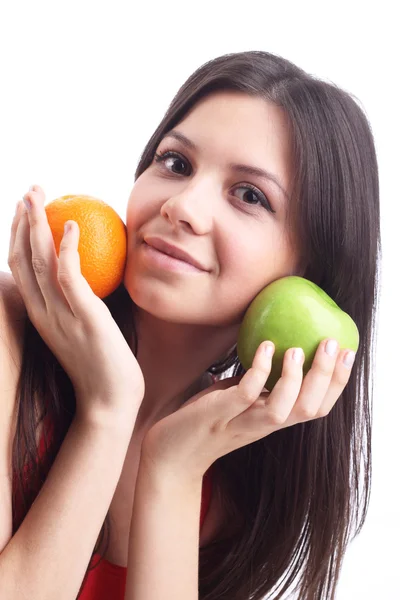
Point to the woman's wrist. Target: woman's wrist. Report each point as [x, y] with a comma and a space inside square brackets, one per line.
[162, 473]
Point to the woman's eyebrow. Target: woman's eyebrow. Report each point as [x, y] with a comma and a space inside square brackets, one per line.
[239, 168]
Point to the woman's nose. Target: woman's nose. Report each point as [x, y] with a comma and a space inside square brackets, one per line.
[191, 208]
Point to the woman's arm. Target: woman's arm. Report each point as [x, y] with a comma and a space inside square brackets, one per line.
[163, 558]
[49, 554]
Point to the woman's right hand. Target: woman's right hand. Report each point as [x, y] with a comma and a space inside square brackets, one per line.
[74, 323]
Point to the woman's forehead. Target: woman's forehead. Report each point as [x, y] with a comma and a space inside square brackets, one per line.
[246, 134]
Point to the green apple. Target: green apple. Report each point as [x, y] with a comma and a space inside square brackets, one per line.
[293, 312]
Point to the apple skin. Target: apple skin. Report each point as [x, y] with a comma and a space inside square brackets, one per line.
[293, 312]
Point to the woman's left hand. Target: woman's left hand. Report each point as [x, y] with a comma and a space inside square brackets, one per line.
[237, 411]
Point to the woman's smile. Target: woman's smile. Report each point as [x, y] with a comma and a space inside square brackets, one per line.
[165, 261]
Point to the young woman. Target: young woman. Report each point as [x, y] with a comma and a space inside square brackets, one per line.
[131, 419]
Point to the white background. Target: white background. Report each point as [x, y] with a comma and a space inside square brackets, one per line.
[84, 85]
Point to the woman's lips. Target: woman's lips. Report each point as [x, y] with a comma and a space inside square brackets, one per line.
[169, 263]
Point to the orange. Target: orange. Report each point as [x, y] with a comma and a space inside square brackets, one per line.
[102, 245]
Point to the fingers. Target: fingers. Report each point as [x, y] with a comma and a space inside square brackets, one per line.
[75, 287]
[20, 262]
[323, 384]
[253, 381]
[44, 263]
[339, 380]
[293, 399]
[287, 388]
[270, 410]
[316, 383]
[60, 278]
[14, 227]
[46, 281]
[234, 400]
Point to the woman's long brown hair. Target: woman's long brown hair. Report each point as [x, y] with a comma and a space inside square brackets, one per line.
[300, 495]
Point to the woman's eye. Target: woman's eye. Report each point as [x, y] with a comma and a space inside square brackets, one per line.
[162, 158]
[252, 196]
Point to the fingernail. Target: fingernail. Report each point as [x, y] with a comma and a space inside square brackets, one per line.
[27, 203]
[331, 347]
[349, 359]
[269, 350]
[297, 355]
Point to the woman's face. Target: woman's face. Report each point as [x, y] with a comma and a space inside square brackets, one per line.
[196, 200]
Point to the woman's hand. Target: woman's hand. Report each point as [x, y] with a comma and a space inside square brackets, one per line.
[74, 323]
[237, 411]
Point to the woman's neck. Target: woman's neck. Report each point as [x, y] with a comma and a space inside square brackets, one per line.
[174, 359]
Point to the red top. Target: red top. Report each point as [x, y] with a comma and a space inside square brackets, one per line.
[107, 581]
